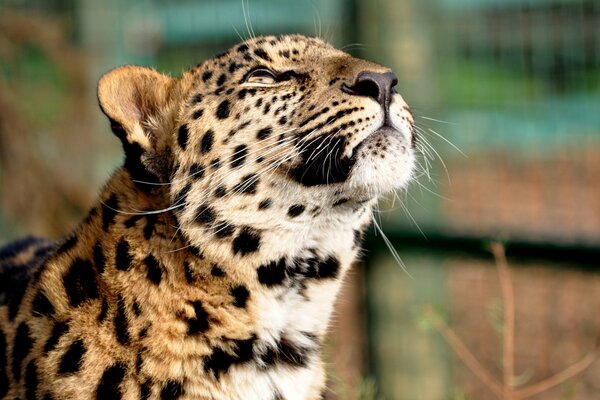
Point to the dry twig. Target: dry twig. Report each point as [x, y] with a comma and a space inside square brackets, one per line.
[506, 389]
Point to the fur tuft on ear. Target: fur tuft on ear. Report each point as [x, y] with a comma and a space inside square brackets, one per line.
[138, 102]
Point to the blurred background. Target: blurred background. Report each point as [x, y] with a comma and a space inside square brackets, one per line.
[506, 95]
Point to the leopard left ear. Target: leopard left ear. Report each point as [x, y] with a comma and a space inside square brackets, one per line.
[139, 103]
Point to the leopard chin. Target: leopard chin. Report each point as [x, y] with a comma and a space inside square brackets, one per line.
[385, 162]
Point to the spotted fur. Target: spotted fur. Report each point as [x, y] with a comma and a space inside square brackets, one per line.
[209, 266]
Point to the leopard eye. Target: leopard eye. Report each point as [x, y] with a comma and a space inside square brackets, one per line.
[261, 76]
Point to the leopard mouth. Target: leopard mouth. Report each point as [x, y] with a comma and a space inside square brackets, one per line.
[384, 130]
[326, 161]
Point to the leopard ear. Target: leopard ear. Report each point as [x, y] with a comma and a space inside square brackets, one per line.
[138, 102]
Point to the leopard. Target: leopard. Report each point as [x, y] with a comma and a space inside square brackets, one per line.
[209, 265]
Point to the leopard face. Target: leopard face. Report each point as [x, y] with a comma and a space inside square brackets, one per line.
[287, 122]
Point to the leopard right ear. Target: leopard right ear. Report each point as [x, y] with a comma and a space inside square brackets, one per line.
[134, 98]
[139, 103]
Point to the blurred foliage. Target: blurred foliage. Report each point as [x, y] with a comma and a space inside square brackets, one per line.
[483, 84]
[42, 110]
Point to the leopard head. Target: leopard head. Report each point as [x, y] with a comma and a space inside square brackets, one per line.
[285, 123]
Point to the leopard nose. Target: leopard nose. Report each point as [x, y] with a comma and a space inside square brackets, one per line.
[379, 86]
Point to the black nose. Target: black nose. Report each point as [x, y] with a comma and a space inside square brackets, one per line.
[374, 84]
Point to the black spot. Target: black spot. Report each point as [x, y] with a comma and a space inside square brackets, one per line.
[21, 348]
[240, 296]
[248, 241]
[196, 252]
[121, 324]
[266, 203]
[150, 223]
[216, 163]
[171, 390]
[288, 353]
[103, 311]
[183, 136]
[357, 237]
[70, 362]
[143, 332]
[135, 307]
[239, 156]
[220, 361]
[109, 211]
[340, 202]
[278, 396]
[200, 323]
[324, 269]
[139, 361]
[223, 110]
[207, 141]
[221, 80]
[205, 214]
[273, 273]
[48, 396]
[67, 245]
[99, 258]
[266, 108]
[264, 133]
[123, 258]
[223, 229]
[41, 305]
[262, 54]
[59, 329]
[16, 296]
[132, 221]
[329, 268]
[3, 365]
[283, 120]
[242, 48]
[154, 269]
[233, 66]
[80, 282]
[220, 191]
[296, 210]
[197, 98]
[197, 171]
[206, 76]
[31, 381]
[145, 390]
[217, 271]
[247, 185]
[110, 382]
[181, 197]
[198, 113]
[187, 271]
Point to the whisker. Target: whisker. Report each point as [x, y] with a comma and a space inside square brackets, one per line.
[447, 141]
[139, 212]
[437, 120]
[389, 245]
